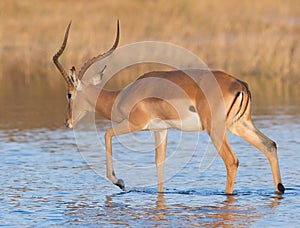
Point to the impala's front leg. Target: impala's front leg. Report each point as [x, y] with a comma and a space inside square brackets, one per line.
[160, 156]
[122, 128]
[109, 163]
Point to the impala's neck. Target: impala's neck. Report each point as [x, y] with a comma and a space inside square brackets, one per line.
[104, 100]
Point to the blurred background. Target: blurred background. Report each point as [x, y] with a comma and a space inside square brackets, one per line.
[257, 41]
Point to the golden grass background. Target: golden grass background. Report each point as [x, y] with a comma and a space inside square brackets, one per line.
[248, 37]
[258, 41]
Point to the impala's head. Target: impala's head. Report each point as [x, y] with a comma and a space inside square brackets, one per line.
[75, 86]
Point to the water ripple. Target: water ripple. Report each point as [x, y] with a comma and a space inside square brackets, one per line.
[46, 182]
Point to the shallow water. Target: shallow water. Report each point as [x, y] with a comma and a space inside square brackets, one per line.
[47, 181]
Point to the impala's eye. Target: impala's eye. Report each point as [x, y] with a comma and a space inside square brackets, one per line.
[69, 95]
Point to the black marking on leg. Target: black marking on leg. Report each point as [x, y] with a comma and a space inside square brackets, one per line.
[192, 109]
[281, 188]
[120, 183]
[270, 145]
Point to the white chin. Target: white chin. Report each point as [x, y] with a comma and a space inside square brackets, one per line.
[69, 126]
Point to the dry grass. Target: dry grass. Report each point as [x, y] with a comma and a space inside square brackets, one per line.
[258, 38]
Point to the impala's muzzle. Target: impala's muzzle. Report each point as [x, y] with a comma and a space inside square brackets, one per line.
[68, 123]
[72, 120]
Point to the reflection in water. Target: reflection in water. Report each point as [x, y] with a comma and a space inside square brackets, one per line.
[46, 182]
[143, 207]
[227, 211]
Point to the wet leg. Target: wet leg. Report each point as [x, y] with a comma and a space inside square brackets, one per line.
[250, 133]
[230, 160]
[160, 156]
[121, 128]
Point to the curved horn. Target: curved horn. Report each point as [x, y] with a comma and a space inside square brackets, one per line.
[88, 63]
[59, 52]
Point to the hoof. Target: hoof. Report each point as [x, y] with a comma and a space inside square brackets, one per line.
[120, 183]
[281, 188]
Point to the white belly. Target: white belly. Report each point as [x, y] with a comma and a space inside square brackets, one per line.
[190, 122]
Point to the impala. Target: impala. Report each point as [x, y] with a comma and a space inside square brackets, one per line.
[191, 105]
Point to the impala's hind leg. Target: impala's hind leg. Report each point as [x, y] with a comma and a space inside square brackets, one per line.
[246, 129]
[213, 120]
[230, 160]
[160, 156]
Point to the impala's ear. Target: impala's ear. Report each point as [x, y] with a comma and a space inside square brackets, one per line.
[74, 79]
[98, 78]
